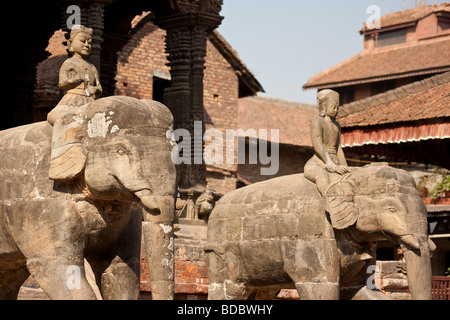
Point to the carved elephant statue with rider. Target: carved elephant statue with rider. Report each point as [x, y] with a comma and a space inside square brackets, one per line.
[282, 234]
[123, 182]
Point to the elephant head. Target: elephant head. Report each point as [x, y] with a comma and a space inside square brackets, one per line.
[121, 149]
[383, 203]
[204, 204]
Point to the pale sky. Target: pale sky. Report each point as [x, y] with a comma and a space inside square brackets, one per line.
[285, 42]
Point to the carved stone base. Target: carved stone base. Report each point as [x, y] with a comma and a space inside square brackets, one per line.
[191, 229]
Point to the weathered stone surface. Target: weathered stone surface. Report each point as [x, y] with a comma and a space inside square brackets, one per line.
[48, 228]
[259, 247]
[269, 227]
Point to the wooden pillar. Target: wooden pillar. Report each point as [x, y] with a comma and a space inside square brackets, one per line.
[187, 30]
[186, 40]
[178, 96]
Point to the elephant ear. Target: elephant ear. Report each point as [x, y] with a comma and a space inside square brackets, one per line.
[68, 157]
[339, 202]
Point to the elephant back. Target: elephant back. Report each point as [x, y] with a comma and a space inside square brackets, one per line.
[285, 207]
[25, 156]
[127, 116]
[283, 192]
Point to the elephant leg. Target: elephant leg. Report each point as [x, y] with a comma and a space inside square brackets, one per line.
[53, 245]
[119, 276]
[228, 290]
[368, 294]
[11, 279]
[120, 281]
[313, 265]
[61, 279]
[317, 290]
[158, 238]
[264, 294]
[217, 272]
[216, 291]
[235, 290]
[225, 271]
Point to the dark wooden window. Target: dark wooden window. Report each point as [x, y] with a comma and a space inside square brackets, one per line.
[346, 95]
[159, 86]
[390, 38]
[381, 87]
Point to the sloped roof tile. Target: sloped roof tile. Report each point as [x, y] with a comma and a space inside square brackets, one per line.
[385, 63]
[424, 100]
[290, 118]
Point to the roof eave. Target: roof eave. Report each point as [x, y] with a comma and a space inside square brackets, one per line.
[403, 25]
[244, 74]
[375, 79]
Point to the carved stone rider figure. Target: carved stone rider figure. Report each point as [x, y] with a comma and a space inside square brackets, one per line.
[328, 165]
[79, 80]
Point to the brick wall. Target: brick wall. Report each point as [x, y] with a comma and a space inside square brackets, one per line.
[426, 27]
[138, 60]
[221, 93]
[191, 279]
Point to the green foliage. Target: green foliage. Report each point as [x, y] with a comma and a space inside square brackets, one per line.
[447, 273]
[440, 188]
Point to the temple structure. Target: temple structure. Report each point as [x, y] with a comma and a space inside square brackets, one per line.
[409, 46]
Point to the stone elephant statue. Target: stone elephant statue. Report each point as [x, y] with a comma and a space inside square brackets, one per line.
[278, 234]
[124, 176]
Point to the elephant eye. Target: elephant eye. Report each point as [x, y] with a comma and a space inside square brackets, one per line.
[121, 152]
[392, 209]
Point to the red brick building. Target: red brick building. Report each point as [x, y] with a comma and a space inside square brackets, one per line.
[410, 46]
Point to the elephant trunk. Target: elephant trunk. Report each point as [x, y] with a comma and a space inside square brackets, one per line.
[148, 200]
[158, 236]
[418, 267]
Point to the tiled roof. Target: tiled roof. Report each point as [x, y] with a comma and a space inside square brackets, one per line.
[245, 76]
[424, 100]
[398, 134]
[291, 118]
[412, 15]
[386, 63]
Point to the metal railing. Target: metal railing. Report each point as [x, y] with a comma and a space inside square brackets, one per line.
[441, 288]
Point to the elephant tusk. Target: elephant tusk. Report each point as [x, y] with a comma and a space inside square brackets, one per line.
[410, 241]
[366, 256]
[148, 200]
[431, 244]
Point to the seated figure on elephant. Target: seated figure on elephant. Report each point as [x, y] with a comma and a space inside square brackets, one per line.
[79, 79]
[328, 166]
[328, 156]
